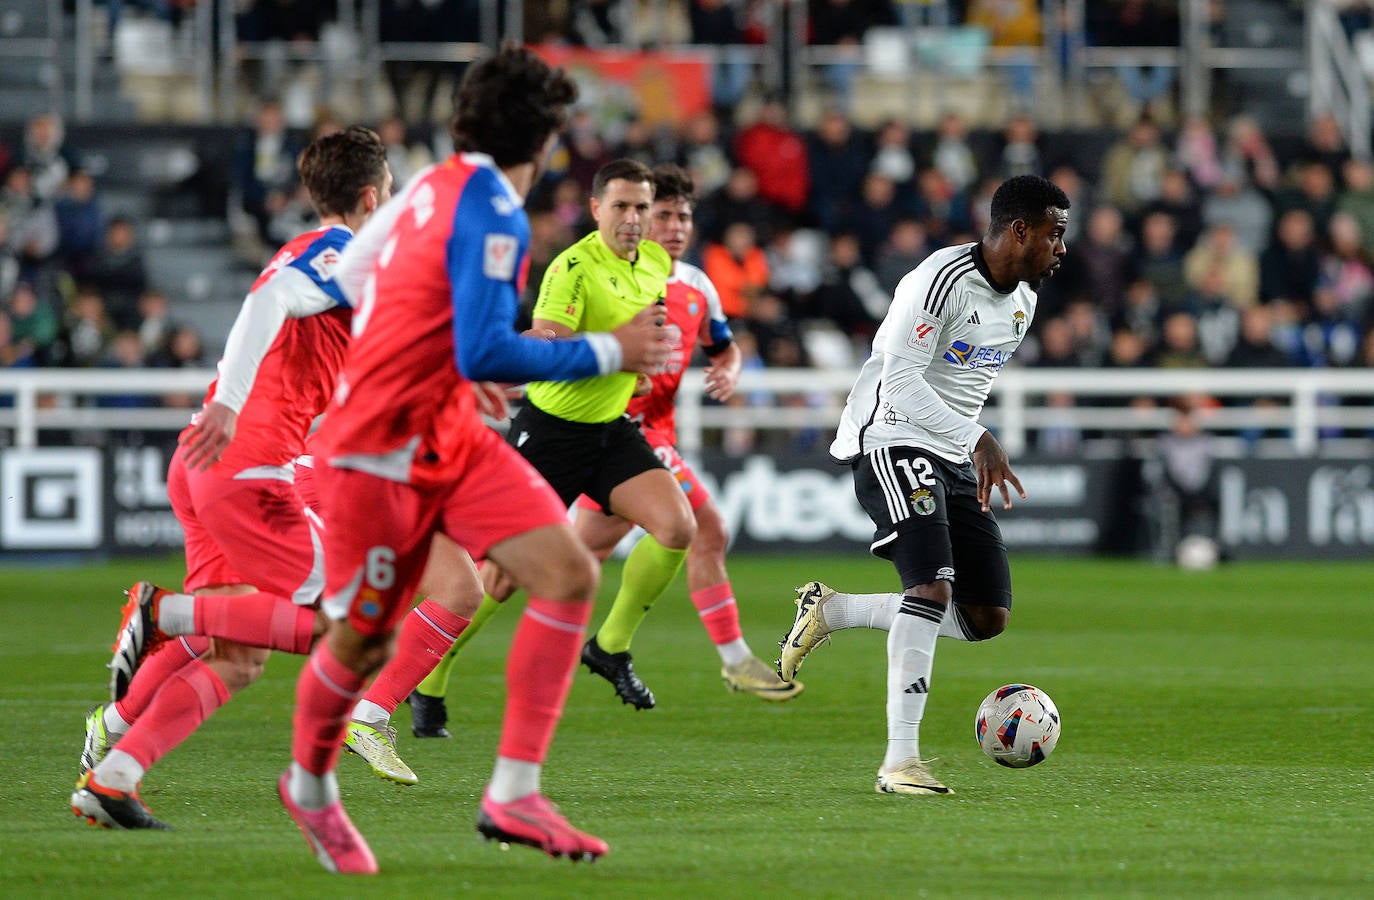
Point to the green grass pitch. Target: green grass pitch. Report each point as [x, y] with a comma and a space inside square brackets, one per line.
[1218, 740]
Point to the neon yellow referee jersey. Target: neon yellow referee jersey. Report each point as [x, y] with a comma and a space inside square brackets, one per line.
[588, 288]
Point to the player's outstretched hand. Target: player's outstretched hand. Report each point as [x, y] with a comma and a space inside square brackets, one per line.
[994, 470]
[644, 341]
[491, 399]
[212, 431]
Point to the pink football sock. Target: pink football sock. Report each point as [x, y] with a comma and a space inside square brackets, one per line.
[258, 620]
[325, 695]
[539, 674]
[426, 635]
[160, 665]
[185, 700]
[719, 612]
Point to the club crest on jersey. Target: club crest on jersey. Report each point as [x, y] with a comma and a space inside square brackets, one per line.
[499, 257]
[923, 501]
[502, 205]
[923, 333]
[1018, 324]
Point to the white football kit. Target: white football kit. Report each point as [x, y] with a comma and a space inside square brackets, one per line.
[944, 339]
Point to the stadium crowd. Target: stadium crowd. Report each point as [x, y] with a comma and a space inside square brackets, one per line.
[1198, 245]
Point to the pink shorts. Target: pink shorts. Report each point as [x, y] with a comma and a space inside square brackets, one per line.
[380, 530]
[247, 531]
[663, 448]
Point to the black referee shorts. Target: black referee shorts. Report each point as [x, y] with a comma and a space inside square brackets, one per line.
[930, 525]
[580, 457]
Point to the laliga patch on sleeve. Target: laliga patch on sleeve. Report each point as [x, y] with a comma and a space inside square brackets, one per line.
[325, 262]
[923, 333]
[498, 259]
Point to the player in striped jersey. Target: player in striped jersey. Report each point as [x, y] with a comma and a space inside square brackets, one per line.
[925, 470]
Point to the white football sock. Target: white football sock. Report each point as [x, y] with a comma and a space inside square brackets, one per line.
[513, 779]
[310, 791]
[910, 656]
[176, 614]
[371, 713]
[734, 652]
[120, 771]
[952, 625]
[861, 611]
[115, 726]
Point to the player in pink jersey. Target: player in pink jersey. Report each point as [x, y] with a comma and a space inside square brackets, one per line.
[694, 314]
[253, 550]
[403, 454]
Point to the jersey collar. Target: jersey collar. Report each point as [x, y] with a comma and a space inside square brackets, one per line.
[485, 161]
[981, 265]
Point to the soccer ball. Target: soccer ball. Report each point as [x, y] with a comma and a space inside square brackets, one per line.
[1017, 726]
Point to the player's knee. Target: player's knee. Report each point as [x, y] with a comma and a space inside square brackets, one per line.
[239, 665]
[677, 533]
[711, 539]
[939, 591]
[985, 622]
[571, 575]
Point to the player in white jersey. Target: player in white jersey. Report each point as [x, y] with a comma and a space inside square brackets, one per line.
[925, 470]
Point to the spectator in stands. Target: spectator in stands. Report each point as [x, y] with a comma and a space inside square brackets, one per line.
[183, 349]
[119, 273]
[1143, 311]
[737, 267]
[154, 321]
[953, 157]
[1346, 271]
[125, 351]
[906, 247]
[1056, 350]
[80, 224]
[1143, 23]
[1012, 25]
[587, 150]
[1290, 265]
[1248, 151]
[717, 23]
[838, 165]
[1104, 259]
[415, 83]
[737, 201]
[1179, 348]
[1159, 260]
[874, 215]
[403, 156]
[265, 167]
[9, 260]
[1129, 349]
[1196, 152]
[1218, 320]
[1255, 347]
[88, 327]
[893, 157]
[1090, 331]
[34, 325]
[296, 215]
[1238, 269]
[549, 236]
[795, 258]
[1177, 198]
[1315, 192]
[841, 24]
[702, 154]
[943, 210]
[849, 295]
[13, 354]
[1133, 170]
[32, 226]
[1020, 153]
[1331, 336]
[777, 155]
[1325, 145]
[1236, 203]
[45, 156]
[1068, 180]
[1357, 198]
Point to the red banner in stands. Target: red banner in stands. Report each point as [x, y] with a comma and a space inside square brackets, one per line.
[661, 88]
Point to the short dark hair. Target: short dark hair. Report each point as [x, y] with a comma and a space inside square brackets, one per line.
[1024, 197]
[509, 104]
[672, 182]
[337, 167]
[622, 169]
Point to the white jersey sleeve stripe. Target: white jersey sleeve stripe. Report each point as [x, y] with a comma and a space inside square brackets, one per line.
[941, 293]
[942, 280]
